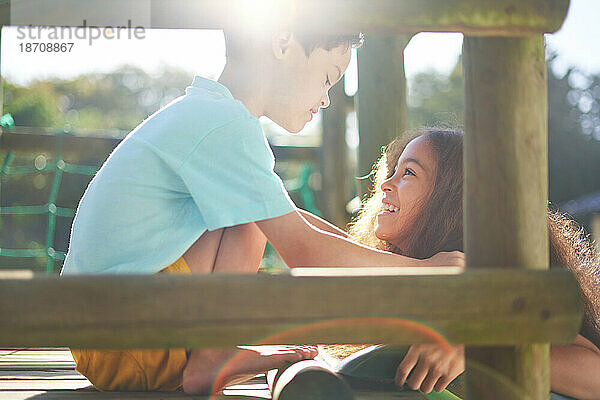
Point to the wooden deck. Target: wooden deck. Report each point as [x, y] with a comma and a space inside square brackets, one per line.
[49, 374]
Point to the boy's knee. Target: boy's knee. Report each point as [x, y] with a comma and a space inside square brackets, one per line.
[195, 383]
[201, 370]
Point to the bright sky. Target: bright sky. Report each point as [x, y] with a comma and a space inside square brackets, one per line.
[201, 52]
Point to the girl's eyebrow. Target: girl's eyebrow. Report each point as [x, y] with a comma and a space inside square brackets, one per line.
[407, 160]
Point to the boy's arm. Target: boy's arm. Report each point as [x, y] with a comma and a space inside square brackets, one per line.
[322, 224]
[301, 244]
[574, 369]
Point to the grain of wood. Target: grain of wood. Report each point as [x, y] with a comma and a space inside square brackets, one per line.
[40, 373]
[43, 384]
[58, 357]
[480, 307]
[47, 384]
[473, 17]
[95, 395]
[506, 193]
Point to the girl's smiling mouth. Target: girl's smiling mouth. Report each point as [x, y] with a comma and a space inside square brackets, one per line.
[387, 208]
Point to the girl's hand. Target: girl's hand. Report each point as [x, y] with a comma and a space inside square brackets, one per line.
[431, 366]
[574, 369]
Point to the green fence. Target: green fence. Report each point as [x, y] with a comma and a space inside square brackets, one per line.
[58, 167]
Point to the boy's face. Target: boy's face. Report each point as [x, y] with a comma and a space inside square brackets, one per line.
[301, 84]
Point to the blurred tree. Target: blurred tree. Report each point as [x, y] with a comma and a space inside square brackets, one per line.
[436, 100]
[87, 104]
[574, 134]
[573, 124]
[36, 105]
[117, 100]
[574, 137]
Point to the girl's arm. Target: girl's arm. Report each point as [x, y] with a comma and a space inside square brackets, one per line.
[322, 224]
[575, 368]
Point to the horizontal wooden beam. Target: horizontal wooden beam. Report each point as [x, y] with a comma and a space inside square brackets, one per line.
[476, 307]
[472, 17]
[32, 140]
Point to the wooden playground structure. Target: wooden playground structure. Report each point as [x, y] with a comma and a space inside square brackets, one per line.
[507, 307]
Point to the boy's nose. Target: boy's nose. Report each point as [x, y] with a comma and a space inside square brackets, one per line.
[325, 101]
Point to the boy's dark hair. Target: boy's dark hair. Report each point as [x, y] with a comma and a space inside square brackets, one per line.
[235, 43]
[328, 42]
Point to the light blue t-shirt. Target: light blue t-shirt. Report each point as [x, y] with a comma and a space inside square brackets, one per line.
[200, 163]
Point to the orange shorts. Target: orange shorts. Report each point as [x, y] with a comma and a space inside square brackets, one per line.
[135, 370]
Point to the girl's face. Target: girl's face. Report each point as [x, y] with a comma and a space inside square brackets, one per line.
[406, 192]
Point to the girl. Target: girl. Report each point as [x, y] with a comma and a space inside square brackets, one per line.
[415, 209]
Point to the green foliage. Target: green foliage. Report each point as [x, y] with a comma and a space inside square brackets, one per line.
[35, 105]
[87, 104]
[573, 124]
[574, 137]
[117, 100]
[436, 100]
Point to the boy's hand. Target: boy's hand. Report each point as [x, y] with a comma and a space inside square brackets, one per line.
[447, 259]
[431, 366]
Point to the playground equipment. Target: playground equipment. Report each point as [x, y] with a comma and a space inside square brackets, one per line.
[506, 314]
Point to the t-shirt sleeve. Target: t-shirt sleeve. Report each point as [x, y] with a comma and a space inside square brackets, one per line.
[230, 175]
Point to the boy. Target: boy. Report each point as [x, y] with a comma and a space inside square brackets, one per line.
[192, 190]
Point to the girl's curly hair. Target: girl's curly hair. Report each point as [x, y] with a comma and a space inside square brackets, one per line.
[439, 226]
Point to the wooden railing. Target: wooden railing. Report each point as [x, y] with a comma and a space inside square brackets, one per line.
[99, 144]
[483, 307]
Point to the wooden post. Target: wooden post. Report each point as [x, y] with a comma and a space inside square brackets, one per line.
[506, 189]
[334, 158]
[595, 223]
[381, 99]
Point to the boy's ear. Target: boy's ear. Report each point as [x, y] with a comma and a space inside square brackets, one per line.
[281, 44]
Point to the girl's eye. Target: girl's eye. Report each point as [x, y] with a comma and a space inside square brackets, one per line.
[409, 172]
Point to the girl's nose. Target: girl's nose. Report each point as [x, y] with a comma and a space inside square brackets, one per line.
[386, 186]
